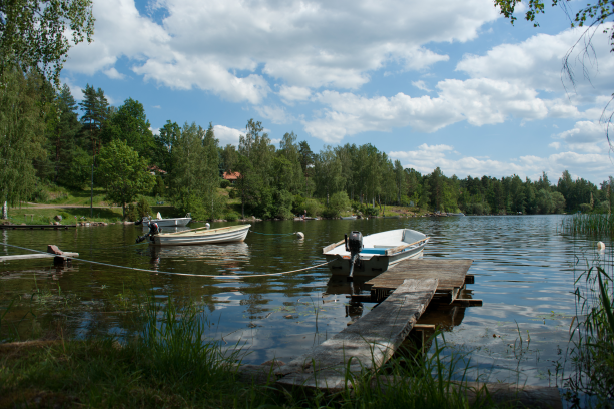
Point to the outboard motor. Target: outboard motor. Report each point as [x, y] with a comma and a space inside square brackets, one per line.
[354, 246]
[153, 230]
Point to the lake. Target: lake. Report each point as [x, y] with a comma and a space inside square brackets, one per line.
[523, 267]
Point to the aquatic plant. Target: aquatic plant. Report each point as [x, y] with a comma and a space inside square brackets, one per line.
[592, 350]
[596, 224]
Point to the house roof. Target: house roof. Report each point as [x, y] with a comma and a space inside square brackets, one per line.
[154, 168]
[231, 175]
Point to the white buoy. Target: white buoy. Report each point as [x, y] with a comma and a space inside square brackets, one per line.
[207, 225]
[600, 246]
[300, 235]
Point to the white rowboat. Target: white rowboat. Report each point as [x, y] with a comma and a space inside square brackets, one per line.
[380, 251]
[202, 236]
[176, 222]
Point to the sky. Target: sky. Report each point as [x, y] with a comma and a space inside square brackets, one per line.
[448, 83]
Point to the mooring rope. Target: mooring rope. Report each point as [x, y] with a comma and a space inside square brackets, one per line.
[224, 277]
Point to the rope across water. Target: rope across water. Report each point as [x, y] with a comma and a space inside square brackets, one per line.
[224, 277]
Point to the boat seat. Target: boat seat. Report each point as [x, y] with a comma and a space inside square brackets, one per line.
[385, 246]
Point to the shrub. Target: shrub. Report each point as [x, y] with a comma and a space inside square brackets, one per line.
[159, 189]
[339, 202]
[224, 183]
[142, 208]
[233, 193]
[370, 211]
[314, 207]
[131, 213]
[231, 216]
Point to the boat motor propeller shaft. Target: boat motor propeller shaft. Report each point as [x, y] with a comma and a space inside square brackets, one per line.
[354, 246]
[153, 230]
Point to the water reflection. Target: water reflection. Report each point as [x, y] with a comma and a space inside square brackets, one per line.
[523, 271]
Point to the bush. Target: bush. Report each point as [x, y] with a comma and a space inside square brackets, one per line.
[370, 211]
[142, 208]
[314, 207]
[224, 183]
[298, 204]
[231, 216]
[159, 189]
[339, 202]
[233, 193]
[131, 213]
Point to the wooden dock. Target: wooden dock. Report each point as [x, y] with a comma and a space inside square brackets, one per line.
[366, 345]
[404, 293]
[60, 258]
[451, 274]
[36, 226]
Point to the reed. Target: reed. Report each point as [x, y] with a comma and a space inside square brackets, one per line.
[592, 348]
[595, 224]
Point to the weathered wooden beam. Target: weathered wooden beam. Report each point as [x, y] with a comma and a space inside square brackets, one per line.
[37, 256]
[469, 279]
[467, 303]
[366, 345]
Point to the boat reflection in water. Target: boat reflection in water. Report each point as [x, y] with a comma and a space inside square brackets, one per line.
[230, 256]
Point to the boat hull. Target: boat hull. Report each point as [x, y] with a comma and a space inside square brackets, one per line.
[215, 236]
[372, 267]
[178, 222]
[380, 252]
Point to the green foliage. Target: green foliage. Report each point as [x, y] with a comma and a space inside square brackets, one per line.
[370, 211]
[123, 173]
[95, 109]
[21, 134]
[130, 124]
[37, 34]
[224, 183]
[231, 216]
[298, 204]
[142, 208]
[159, 189]
[283, 205]
[314, 207]
[77, 173]
[195, 179]
[339, 202]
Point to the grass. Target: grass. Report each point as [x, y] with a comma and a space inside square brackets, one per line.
[592, 347]
[170, 360]
[595, 224]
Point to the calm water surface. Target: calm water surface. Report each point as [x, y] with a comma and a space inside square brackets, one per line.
[523, 267]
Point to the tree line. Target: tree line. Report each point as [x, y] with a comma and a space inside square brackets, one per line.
[60, 141]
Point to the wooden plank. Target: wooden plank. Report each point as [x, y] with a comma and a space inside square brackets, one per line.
[395, 250]
[35, 226]
[451, 273]
[332, 246]
[469, 279]
[37, 256]
[366, 345]
[467, 303]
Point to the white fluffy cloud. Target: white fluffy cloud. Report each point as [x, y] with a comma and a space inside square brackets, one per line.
[478, 101]
[426, 157]
[228, 46]
[586, 136]
[227, 135]
[537, 63]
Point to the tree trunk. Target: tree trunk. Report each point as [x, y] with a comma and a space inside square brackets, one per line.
[124, 211]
